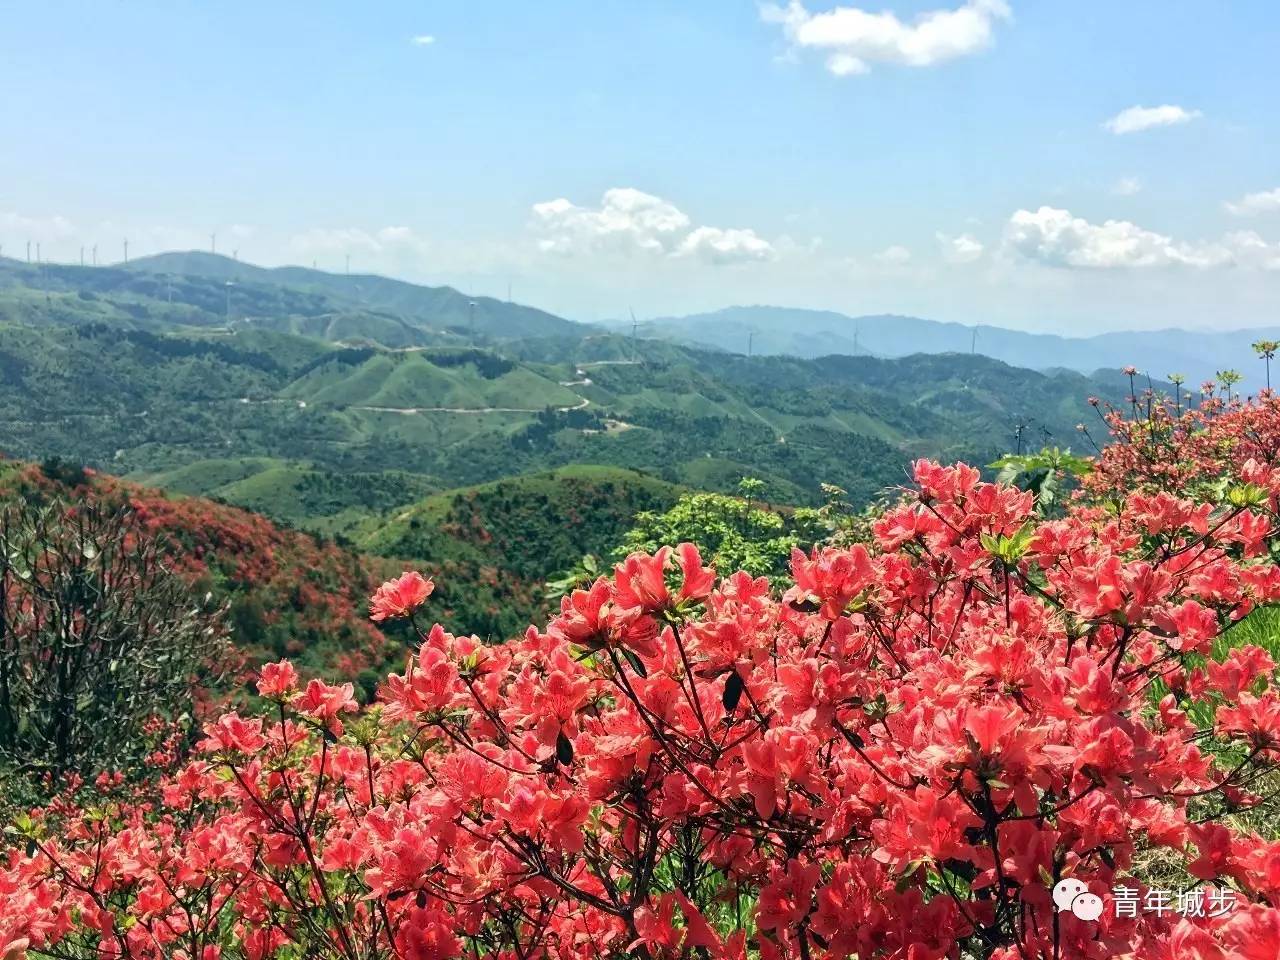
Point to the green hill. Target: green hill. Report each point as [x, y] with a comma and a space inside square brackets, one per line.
[205, 290]
[439, 308]
[291, 390]
[147, 404]
[492, 546]
[346, 405]
[461, 378]
[296, 494]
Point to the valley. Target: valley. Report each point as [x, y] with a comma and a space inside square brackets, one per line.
[401, 421]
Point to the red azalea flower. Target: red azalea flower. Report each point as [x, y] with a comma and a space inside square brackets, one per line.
[400, 597]
[277, 680]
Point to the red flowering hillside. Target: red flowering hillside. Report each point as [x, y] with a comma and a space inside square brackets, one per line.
[900, 758]
[290, 594]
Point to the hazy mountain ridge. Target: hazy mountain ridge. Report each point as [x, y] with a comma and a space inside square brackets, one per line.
[813, 333]
[204, 289]
[442, 306]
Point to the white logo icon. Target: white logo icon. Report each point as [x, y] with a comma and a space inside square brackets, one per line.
[1072, 894]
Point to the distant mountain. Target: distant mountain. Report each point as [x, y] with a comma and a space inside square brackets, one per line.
[436, 307]
[814, 333]
[170, 291]
[292, 408]
[204, 290]
[346, 405]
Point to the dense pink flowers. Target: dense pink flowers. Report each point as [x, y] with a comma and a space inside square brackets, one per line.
[400, 597]
[896, 759]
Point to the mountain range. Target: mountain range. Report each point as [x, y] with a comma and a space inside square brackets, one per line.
[1198, 355]
[324, 398]
[492, 444]
[205, 289]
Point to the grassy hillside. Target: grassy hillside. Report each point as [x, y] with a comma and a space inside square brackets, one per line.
[492, 546]
[205, 290]
[460, 379]
[294, 392]
[302, 595]
[357, 409]
[298, 494]
[151, 404]
[439, 308]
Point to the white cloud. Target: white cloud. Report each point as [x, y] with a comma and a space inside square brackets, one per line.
[962, 249]
[423, 40]
[1134, 119]
[853, 39]
[715, 245]
[894, 256]
[1250, 250]
[846, 65]
[1127, 187]
[1252, 204]
[629, 221]
[1057, 238]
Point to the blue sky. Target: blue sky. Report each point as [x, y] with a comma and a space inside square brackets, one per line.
[968, 161]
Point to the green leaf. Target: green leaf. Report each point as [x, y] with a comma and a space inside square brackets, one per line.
[564, 749]
[733, 687]
[636, 663]
[1246, 495]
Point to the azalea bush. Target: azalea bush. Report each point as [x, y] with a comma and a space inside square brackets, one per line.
[288, 593]
[101, 645]
[899, 756]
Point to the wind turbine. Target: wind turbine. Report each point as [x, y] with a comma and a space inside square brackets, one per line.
[1020, 425]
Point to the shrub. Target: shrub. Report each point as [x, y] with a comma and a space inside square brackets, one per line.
[97, 638]
[737, 533]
